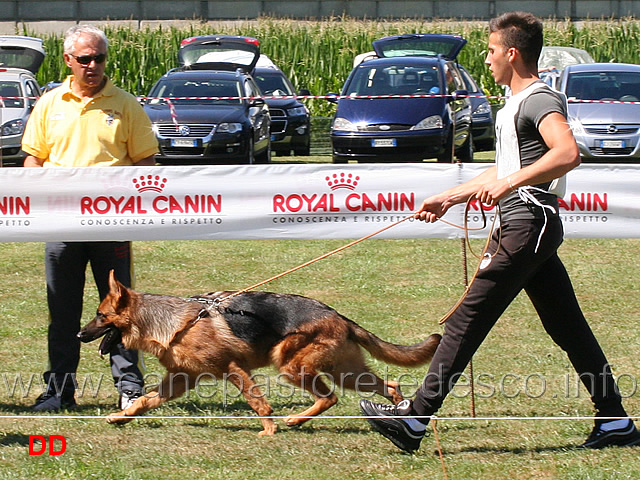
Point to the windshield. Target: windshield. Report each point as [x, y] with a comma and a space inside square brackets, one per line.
[623, 86]
[273, 84]
[11, 95]
[394, 80]
[193, 92]
[560, 58]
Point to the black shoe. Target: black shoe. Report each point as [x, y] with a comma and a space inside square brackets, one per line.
[621, 437]
[388, 423]
[52, 402]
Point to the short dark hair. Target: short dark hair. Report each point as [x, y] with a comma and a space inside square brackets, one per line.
[522, 31]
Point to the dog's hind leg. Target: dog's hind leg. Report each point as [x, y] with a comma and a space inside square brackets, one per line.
[352, 373]
[305, 377]
[254, 396]
[173, 385]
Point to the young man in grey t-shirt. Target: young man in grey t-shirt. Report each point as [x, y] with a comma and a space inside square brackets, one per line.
[535, 149]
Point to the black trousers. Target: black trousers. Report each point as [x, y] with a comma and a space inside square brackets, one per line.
[545, 280]
[65, 267]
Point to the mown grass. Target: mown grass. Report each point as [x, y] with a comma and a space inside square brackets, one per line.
[319, 55]
[395, 288]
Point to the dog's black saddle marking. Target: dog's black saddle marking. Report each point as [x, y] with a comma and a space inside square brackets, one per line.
[264, 318]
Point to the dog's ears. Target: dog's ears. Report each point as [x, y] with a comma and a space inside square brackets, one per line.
[118, 290]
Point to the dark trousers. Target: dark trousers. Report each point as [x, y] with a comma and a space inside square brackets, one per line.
[65, 267]
[545, 280]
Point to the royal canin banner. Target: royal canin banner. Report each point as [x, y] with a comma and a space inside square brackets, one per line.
[293, 201]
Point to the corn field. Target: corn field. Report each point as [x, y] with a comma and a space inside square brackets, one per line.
[319, 55]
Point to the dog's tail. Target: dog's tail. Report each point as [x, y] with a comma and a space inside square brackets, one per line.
[402, 355]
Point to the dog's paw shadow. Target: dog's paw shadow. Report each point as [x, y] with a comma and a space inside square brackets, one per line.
[14, 440]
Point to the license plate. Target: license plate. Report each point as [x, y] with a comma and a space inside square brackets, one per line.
[383, 142]
[183, 142]
[611, 143]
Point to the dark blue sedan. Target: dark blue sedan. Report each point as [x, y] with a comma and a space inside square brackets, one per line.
[408, 104]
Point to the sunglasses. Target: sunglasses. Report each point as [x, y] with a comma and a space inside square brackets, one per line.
[86, 59]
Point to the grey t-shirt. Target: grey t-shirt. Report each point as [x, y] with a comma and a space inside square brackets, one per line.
[523, 145]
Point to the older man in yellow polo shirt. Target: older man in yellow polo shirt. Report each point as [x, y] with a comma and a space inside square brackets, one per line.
[86, 122]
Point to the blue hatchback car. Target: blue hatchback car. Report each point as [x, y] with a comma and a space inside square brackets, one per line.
[408, 104]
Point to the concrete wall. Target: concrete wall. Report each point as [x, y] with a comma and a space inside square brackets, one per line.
[18, 11]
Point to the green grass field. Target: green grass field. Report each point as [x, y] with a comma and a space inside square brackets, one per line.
[398, 289]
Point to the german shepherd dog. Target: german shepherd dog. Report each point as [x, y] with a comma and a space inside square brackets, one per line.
[229, 337]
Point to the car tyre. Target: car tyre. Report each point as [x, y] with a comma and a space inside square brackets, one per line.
[303, 151]
[447, 155]
[265, 156]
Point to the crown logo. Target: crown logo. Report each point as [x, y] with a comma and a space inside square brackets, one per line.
[342, 180]
[145, 183]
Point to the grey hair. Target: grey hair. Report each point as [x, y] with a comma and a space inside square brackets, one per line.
[75, 32]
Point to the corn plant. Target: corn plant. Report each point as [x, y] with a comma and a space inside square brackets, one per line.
[318, 55]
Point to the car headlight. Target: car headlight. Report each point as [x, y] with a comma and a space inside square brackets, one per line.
[428, 123]
[483, 109]
[576, 127]
[297, 111]
[344, 125]
[14, 127]
[229, 127]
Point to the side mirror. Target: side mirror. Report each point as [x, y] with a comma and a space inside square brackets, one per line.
[257, 102]
[332, 97]
[457, 94]
[304, 92]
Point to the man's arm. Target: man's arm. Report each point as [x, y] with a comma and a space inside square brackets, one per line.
[563, 156]
[32, 161]
[149, 161]
[437, 205]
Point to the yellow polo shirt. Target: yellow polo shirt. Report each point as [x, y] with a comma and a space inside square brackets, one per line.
[111, 129]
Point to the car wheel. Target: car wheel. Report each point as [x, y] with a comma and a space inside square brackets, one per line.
[447, 155]
[303, 152]
[485, 145]
[465, 154]
[265, 156]
[339, 159]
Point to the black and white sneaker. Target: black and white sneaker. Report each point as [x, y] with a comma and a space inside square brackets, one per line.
[387, 420]
[625, 436]
[127, 398]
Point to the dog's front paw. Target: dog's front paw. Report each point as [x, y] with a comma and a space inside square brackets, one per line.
[295, 421]
[118, 418]
[269, 426]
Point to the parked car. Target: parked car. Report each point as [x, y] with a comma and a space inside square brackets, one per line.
[290, 118]
[208, 109]
[554, 59]
[49, 86]
[20, 59]
[605, 129]
[482, 122]
[367, 127]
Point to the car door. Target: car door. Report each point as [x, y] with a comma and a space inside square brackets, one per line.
[258, 112]
[460, 104]
[32, 92]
